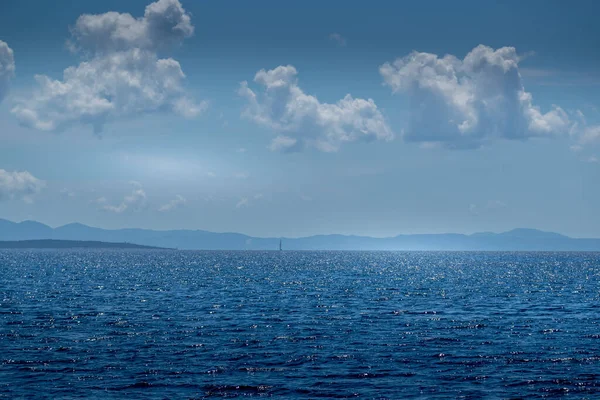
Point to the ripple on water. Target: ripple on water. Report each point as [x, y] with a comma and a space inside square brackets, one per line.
[176, 324]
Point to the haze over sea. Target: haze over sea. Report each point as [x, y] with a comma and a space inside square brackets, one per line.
[185, 324]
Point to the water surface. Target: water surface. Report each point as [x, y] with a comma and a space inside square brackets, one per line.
[169, 324]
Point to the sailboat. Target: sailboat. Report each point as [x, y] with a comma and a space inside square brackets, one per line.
[280, 245]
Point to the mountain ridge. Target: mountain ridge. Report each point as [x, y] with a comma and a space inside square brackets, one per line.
[516, 239]
[70, 244]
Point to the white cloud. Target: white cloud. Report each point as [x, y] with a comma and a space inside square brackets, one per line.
[302, 121]
[283, 143]
[583, 134]
[593, 159]
[590, 134]
[242, 203]
[135, 201]
[165, 23]
[19, 184]
[122, 74]
[173, 204]
[338, 39]
[7, 68]
[467, 103]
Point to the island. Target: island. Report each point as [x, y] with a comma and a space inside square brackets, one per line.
[72, 244]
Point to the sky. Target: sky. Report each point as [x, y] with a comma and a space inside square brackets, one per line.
[301, 118]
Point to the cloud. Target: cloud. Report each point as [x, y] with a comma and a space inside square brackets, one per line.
[242, 203]
[173, 204]
[470, 102]
[593, 159]
[590, 134]
[583, 134]
[99, 200]
[19, 184]
[7, 68]
[122, 74]
[165, 24]
[302, 121]
[135, 201]
[338, 39]
[245, 201]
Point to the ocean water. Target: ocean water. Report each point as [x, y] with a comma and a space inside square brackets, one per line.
[397, 325]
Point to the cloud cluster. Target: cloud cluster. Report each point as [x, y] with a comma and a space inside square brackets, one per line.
[301, 120]
[7, 68]
[467, 103]
[122, 74]
[19, 184]
[135, 201]
[165, 24]
[177, 202]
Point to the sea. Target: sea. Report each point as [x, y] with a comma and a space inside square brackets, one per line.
[161, 324]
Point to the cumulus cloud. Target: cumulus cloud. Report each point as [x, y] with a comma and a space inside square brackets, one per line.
[135, 201]
[470, 102]
[301, 120]
[177, 202]
[165, 23]
[122, 74]
[19, 184]
[7, 68]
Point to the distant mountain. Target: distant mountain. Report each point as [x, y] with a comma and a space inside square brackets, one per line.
[68, 244]
[515, 240]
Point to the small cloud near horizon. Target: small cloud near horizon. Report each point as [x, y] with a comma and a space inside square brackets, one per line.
[177, 202]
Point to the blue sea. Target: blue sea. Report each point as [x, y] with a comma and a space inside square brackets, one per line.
[297, 325]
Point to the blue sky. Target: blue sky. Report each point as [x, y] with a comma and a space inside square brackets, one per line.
[490, 138]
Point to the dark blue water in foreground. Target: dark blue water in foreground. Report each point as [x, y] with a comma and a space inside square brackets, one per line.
[166, 324]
